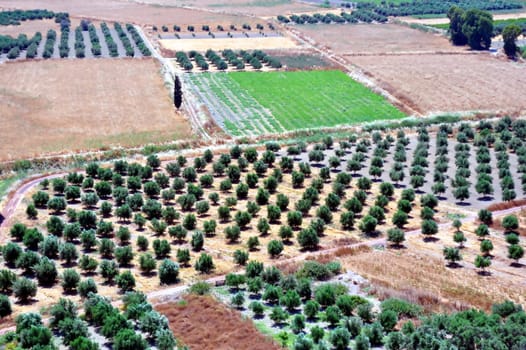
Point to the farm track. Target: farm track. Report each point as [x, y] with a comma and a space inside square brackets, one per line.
[169, 74]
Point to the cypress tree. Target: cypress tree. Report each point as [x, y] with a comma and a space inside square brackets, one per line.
[178, 93]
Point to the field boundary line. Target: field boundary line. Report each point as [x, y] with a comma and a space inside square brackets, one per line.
[353, 71]
[169, 74]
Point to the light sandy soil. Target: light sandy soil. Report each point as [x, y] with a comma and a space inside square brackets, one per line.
[249, 7]
[432, 83]
[51, 106]
[268, 43]
[361, 39]
[446, 20]
[30, 28]
[115, 10]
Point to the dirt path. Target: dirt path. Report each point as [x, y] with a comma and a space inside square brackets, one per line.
[15, 198]
[168, 73]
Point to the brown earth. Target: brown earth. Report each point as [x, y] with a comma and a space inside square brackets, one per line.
[201, 322]
[52, 106]
[362, 39]
[418, 272]
[115, 10]
[249, 7]
[435, 83]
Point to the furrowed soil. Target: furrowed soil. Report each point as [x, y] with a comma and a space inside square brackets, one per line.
[201, 322]
[113, 10]
[76, 105]
[438, 83]
[430, 21]
[367, 39]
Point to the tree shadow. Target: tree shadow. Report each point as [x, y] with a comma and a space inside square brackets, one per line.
[454, 265]
[517, 264]
[431, 239]
[398, 247]
[484, 273]
[463, 204]
[259, 317]
[256, 296]
[486, 198]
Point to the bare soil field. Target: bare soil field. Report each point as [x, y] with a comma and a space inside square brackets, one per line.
[30, 28]
[52, 106]
[201, 322]
[249, 7]
[438, 83]
[263, 43]
[115, 10]
[375, 39]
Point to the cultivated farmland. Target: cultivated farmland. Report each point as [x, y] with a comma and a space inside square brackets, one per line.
[367, 39]
[433, 83]
[248, 103]
[46, 110]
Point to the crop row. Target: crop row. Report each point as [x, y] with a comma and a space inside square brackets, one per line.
[133, 328]
[423, 7]
[17, 16]
[219, 27]
[80, 47]
[360, 15]
[13, 47]
[95, 41]
[64, 39]
[112, 46]
[138, 40]
[238, 60]
[125, 40]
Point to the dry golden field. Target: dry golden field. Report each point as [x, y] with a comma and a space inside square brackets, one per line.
[74, 105]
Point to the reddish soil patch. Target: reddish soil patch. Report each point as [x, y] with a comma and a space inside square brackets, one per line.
[442, 83]
[113, 10]
[366, 39]
[206, 324]
[75, 105]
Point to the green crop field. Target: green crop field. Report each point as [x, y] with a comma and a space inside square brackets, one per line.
[254, 103]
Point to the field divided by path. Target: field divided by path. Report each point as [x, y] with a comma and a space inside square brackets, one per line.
[254, 103]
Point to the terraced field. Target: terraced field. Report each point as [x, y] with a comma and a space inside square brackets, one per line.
[254, 103]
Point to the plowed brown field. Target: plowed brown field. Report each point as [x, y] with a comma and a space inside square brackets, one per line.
[75, 105]
[443, 83]
[375, 39]
[204, 323]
